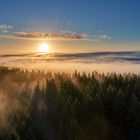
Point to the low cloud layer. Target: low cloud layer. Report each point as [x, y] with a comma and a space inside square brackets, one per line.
[90, 57]
[83, 62]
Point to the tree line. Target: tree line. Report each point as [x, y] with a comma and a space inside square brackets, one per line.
[69, 106]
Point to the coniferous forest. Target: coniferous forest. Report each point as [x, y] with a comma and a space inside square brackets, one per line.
[37, 105]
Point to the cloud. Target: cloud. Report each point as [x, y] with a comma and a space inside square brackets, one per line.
[83, 62]
[132, 57]
[104, 37]
[100, 37]
[63, 35]
[26, 29]
[5, 28]
[42, 36]
[68, 32]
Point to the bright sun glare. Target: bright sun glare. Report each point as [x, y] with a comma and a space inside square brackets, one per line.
[43, 48]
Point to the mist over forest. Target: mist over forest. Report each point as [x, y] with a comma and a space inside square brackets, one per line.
[69, 69]
[38, 105]
[101, 61]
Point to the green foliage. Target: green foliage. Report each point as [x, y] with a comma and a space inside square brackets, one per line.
[12, 135]
[60, 106]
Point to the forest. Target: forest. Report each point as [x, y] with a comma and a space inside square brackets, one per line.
[38, 105]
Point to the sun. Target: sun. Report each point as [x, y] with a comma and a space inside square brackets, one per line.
[43, 48]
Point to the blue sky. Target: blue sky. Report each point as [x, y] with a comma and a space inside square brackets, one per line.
[117, 19]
